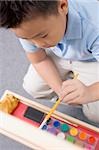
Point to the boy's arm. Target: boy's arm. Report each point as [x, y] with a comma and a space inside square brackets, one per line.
[94, 90]
[47, 69]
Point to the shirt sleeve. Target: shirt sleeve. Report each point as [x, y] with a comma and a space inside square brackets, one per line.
[28, 46]
[94, 47]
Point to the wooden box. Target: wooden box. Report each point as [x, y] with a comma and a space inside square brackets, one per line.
[25, 132]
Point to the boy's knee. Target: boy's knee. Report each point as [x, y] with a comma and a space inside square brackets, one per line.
[91, 111]
[30, 90]
[36, 90]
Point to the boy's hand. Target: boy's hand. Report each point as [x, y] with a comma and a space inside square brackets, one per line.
[75, 92]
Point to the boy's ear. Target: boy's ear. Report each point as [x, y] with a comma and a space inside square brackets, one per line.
[63, 6]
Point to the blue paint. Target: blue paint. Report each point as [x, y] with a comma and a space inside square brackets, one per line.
[56, 124]
[44, 127]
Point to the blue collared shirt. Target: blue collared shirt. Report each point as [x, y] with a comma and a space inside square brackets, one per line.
[81, 40]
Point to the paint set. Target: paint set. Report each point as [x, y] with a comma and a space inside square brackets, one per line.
[78, 135]
[63, 127]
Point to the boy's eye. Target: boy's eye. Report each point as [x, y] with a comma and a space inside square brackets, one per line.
[44, 36]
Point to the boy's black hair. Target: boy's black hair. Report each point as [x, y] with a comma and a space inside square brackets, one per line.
[14, 12]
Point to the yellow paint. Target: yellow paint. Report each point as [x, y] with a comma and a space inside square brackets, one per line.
[73, 131]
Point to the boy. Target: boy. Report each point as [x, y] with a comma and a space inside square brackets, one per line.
[58, 36]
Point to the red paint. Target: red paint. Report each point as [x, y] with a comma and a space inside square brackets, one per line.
[91, 140]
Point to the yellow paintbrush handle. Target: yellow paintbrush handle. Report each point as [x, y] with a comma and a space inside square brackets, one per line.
[76, 76]
[53, 109]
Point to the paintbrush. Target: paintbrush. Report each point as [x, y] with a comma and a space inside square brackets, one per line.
[50, 113]
[53, 109]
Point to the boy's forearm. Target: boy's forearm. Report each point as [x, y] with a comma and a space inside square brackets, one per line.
[49, 73]
[94, 91]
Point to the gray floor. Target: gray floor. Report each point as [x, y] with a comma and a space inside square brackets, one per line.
[13, 65]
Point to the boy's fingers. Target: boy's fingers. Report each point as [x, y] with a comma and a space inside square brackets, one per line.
[68, 83]
[74, 102]
[67, 91]
[70, 97]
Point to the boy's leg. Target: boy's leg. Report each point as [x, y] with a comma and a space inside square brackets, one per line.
[88, 74]
[36, 86]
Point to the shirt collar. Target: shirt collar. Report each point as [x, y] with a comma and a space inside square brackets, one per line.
[74, 25]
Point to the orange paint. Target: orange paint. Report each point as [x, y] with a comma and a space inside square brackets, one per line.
[82, 136]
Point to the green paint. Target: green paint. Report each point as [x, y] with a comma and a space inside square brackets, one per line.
[64, 127]
[70, 139]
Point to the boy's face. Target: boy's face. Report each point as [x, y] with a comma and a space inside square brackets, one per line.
[45, 32]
